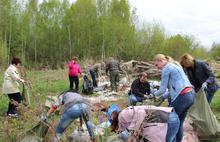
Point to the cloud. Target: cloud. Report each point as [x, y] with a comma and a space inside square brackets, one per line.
[197, 17]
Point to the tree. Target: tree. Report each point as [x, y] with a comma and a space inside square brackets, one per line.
[215, 51]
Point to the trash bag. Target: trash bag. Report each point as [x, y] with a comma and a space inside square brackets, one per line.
[79, 136]
[204, 120]
[25, 95]
[114, 138]
[87, 85]
[31, 138]
[37, 133]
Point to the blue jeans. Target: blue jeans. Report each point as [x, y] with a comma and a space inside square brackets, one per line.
[181, 105]
[94, 82]
[72, 113]
[210, 91]
[173, 127]
[134, 99]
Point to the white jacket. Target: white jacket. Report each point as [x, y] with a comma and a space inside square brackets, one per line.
[11, 80]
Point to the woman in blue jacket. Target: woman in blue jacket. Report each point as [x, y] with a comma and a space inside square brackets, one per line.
[180, 90]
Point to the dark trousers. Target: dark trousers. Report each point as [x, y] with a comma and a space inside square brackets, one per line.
[94, 82]
[114, 79]
[74, 79]
[13, 97]
[210, 91]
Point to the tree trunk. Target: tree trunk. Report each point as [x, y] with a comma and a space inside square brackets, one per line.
[103, 44]
[35, 52]
[9, 45]
[22, 49]
[70, 43]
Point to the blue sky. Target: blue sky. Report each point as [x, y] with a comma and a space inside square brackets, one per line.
[200, 18]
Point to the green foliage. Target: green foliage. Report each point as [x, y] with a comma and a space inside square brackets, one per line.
[215, 50]
[49, 33]
[215, 104]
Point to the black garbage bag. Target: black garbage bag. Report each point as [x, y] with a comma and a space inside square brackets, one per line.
[87, 85]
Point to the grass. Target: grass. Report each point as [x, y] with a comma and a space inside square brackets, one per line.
[44, 83]
[215, 105]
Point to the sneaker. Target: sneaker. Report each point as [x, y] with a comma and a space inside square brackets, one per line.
[12, 115]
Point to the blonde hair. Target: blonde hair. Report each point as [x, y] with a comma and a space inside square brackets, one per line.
[171, 60]
[168, 58]
[160, 57]
[186, 59]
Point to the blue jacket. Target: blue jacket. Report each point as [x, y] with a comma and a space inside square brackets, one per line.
[174, 79]
[111, 109]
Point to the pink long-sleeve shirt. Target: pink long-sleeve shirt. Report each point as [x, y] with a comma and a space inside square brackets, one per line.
[74, 69]
[132, 118]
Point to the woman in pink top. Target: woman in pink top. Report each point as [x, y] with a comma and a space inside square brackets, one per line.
[74, 71]
[155, 124]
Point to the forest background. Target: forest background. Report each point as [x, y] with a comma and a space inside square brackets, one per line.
[50, 32]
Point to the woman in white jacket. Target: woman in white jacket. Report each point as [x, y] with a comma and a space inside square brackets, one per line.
[11, 86]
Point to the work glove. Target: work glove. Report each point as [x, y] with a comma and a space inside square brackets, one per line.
[150, 96]
[44, 118]
[124, 135]
[161, 98]
[204, 85]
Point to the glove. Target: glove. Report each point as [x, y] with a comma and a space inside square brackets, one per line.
[161, 98]
[44, 118]
[152, 91]
[148, 96]
[204, 85]
[124, 135]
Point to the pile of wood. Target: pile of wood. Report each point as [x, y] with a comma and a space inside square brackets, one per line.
[135, 68]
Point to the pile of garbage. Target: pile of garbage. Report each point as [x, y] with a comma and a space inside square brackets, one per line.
[135, 68]
[103, 94]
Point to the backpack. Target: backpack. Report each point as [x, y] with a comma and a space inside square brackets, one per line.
[87, 85]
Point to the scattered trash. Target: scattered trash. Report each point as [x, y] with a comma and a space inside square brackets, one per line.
[189, 133]
[50, 100]
[82, 135]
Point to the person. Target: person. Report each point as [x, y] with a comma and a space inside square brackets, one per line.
[139, 88]
[151, 123]
[200, 75]
[74, 71]
[11, 86]
[75, 106]
[87, 87]
[95, 72]
[113, 67]
[180, 90]
[109, 110]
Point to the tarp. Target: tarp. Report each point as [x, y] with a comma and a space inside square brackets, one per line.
[205, 122]
[114, 138]
[25, 95]
[37, 133]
